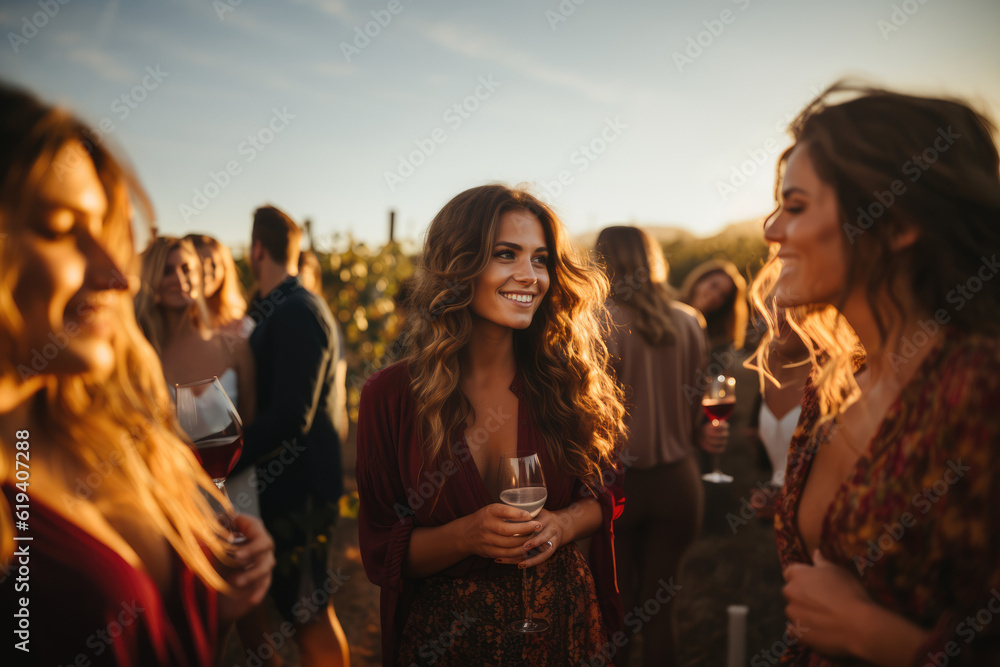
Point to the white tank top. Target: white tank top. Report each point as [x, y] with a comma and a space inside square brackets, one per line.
[776, 434]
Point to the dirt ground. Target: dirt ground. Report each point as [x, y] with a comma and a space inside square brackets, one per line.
[723, 568]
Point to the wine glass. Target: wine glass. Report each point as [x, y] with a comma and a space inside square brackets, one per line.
[522, 485]
[210, 420]
[718, 403]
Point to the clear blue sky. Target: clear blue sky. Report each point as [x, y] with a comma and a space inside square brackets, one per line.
[665, 124]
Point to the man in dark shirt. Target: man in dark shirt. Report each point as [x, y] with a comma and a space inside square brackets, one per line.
[293, 440]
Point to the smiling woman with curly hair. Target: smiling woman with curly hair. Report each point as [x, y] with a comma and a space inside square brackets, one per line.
[506, 356]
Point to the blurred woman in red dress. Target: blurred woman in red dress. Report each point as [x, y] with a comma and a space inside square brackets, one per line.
[123, 561]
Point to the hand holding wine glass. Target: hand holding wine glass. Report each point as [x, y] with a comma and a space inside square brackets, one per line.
[718, 403]
[209, 418]
[522, 485]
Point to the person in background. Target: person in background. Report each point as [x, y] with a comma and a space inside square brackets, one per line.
[170, 307]
[224, 298]
[717, 290]
[505, 358]
[293, 440]
[888, 527]
[657, 348]
[311, 277]
[129, 564]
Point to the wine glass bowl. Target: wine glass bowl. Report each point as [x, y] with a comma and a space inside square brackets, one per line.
[209, 418]
[718, 403]
[522, 485]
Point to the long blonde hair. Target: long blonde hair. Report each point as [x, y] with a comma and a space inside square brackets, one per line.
[637, 270]
[228, 304]
[562, 354]
[125, 418]
[147, 307]
[861, 147]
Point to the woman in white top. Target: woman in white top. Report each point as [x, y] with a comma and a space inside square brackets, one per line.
[171, 309]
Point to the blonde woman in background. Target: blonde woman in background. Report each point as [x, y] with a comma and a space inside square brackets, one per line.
[224, 296]
[171, 309]
[125, 551]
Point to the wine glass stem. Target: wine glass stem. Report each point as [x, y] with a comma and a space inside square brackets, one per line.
[715, 457]
[527, 596]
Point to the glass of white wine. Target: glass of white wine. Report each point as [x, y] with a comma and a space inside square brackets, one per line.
[522, 485]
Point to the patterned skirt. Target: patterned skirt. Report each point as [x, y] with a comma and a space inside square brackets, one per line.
[464, 622]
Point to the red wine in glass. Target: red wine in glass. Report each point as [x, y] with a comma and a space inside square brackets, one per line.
[208, 416]
[219, 454]
[719, 410]
[718, 403]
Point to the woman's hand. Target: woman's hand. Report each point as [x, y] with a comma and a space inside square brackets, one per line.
[823, 602]
[714, 438]
[498, 531]
[250, 583]
[578, 520]
[543, 543]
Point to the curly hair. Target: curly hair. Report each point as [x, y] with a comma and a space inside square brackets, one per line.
[944, 155]
[127, 417]
[637, 270]
[561, 353]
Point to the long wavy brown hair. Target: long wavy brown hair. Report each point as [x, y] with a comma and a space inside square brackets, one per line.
[562, 355]
[860, 147]
[635, 266]
[127, 417]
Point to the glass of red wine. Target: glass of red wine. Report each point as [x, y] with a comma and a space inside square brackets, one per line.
[210, 420]
[718, 403]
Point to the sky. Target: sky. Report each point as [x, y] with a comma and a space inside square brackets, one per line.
[641, 112]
